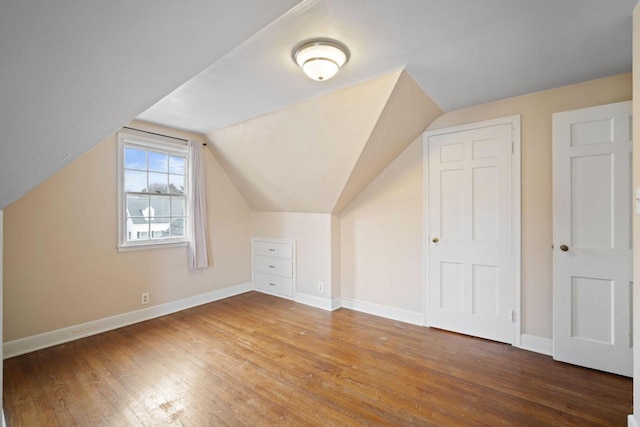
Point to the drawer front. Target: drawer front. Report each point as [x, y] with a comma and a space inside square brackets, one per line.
[279, 250]
[270, 265]
[273, 284]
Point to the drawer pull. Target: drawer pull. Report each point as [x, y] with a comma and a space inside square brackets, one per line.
[272, 284]
[271, 250]
[272, 266]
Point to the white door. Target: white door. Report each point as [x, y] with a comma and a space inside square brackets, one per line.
[470, 232]
[592, 265]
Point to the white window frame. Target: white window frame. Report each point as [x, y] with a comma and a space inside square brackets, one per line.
[134, 139]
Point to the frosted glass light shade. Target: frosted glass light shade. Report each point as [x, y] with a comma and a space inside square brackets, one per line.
[320, 69]
[321, 60]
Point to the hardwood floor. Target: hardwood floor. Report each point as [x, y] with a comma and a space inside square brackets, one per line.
[260, 360]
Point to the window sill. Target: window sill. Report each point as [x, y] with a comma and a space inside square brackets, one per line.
[149, 246]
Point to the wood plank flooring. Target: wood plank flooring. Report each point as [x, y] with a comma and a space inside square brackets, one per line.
[262, 361]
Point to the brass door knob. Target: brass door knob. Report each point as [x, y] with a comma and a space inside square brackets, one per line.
[564, 248]
[436, 240]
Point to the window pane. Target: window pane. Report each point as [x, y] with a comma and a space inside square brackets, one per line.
[137, 205]
[176, 164]
[158, 182]
[176, 184]
[158, 162]
[135, 159]
[177, 206]
[161, 227]
[135, 181]
[137, 217]
[159, 206]
[137, 229]
[177, 227]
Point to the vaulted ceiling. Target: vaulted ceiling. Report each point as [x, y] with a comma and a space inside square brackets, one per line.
[318, 155]
[72, 73]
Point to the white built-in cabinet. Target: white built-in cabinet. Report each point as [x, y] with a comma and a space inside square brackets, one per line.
[274, 266]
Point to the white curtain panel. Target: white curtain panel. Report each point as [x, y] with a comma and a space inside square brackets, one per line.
[198, 256]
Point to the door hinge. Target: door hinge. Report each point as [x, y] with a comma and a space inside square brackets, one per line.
[513, 147]
[513, 316]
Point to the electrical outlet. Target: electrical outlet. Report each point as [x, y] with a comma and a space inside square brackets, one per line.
[320, 287]
[144, 298]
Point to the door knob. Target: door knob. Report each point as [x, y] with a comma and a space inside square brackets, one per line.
[564, 248]
[436, 240]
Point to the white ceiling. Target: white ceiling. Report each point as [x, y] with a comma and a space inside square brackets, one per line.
[461, 52]
[72, 72]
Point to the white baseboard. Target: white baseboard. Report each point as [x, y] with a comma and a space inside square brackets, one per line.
[536, 344]
[59, 336]
[632, 422]
[313, 301]
[407, 316]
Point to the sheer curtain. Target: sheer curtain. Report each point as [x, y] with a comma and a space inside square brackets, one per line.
[198, 256]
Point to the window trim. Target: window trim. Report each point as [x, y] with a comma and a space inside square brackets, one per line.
[133, 139]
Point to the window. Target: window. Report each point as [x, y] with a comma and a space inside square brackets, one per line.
[153, 178]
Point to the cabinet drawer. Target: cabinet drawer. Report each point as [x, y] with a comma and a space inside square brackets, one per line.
[279, 250]
[273, 284]
[270, 265]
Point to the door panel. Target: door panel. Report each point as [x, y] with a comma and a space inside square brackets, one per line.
[452, 286]
[485, 290]
[592, 132]
[591, 311]
[485, 203]
[592, 268]
[470, 224]
[591, 224]
[451, 209]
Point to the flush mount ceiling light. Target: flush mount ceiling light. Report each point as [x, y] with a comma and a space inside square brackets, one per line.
[321, 59]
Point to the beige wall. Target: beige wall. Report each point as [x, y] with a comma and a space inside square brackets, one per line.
[62, 267]
[335, 257]
[636, 218]
[312, 233]
[381, 230]
[381, 237]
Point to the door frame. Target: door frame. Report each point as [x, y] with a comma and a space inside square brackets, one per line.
[516, 212]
